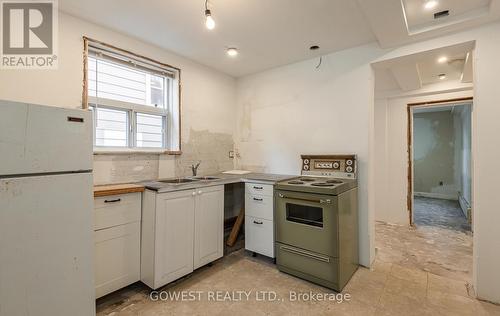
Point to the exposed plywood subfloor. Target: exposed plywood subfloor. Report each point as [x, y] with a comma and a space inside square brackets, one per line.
[387, 289]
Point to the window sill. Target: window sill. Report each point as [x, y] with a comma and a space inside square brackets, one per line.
[127, 151]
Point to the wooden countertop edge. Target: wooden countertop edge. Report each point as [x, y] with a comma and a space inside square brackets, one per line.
[114, 189]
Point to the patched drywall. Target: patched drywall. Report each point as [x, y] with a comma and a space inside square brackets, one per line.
[209, 148]
[434, 154]
[124, 168]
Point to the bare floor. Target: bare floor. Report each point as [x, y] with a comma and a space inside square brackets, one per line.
[439, 213]
[389, 288]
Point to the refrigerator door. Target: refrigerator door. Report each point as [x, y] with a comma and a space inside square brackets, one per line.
[46, 245]
[44, 139]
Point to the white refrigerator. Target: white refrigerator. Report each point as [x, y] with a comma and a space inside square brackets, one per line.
[46, 201]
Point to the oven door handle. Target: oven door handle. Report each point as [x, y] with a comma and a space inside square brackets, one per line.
[320, 201]
[305, 254]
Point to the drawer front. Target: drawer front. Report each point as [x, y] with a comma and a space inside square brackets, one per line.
[307, 263]
[259, 236]
[116, 257]
[260, 206]
[116, 210]
[259, 189]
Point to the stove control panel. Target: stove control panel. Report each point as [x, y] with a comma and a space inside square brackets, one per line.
[341, 166]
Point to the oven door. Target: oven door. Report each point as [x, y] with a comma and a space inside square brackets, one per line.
[308, 221]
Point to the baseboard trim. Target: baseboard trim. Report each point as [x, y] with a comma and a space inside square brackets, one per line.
[437, 196]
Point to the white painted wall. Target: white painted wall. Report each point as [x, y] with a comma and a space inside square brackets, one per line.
[208, 96]
[462, 123]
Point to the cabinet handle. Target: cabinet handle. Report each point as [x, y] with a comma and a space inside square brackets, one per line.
[112, 201]
[258, 223]
[257, 188]
[256, 199]
[200, 192]
[194, 193]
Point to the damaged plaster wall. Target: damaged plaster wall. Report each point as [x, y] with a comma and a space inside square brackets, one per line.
[208, 103]
[433, 154]
[124, 168]
[298, 109]
[212, 149]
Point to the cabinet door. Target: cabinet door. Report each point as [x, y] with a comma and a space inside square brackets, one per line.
[117, 257]
[174, 236]
[209, 225]
[259, 236]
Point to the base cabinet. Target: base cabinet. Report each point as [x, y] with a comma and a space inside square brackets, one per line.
[116, 257]
[117, 242]
[259, 224]
[181, 231]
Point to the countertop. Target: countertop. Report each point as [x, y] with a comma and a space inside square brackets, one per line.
[223, 178]
[113, 189]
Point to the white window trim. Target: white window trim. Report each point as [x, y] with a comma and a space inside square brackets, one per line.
[171, 114]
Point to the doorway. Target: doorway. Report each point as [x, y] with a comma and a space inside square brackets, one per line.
[439, 164]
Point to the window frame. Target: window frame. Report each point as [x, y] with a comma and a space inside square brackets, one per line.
[170, 113]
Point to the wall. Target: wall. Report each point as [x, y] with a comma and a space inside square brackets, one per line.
[208, 99]
[298, 109]
[391, 119]
[485, 155]
[462, 129]
[434, 154]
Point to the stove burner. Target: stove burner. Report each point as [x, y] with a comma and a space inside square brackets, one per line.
[334, 181]
[295, 182]
[322, 184]
[307, 179]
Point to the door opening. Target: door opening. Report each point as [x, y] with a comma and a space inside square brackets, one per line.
[439, 164]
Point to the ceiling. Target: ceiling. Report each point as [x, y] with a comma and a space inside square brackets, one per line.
[278, 32]
[268, 33]
[398, 22]
[416, 71]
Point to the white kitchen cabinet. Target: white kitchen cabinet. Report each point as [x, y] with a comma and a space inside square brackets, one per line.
[117, 257]
[209, 226]
[181, 231]
[117, 235]
[259, 236]
[259, 223]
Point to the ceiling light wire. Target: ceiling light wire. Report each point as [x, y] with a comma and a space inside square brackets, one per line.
[319, 63]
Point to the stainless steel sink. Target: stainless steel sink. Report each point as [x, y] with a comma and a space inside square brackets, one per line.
[178, 181]
[206, 178]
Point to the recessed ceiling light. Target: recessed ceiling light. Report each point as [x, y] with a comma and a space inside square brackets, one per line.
[430, 4]
[232, 51]
[442, 76]
[442, 59]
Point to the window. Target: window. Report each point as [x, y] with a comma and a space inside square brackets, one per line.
[134, 101]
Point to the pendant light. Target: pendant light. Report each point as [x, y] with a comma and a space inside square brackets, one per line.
[209, 21]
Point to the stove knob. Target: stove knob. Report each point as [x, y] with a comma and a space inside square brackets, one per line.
[306, 167]
[348, 162]
[306, 161]
[336, 165]
[348, 169]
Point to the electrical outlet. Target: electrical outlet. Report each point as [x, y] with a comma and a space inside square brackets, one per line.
[231, 154]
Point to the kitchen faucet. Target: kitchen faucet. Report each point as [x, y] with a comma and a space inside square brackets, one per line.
[194, 168]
